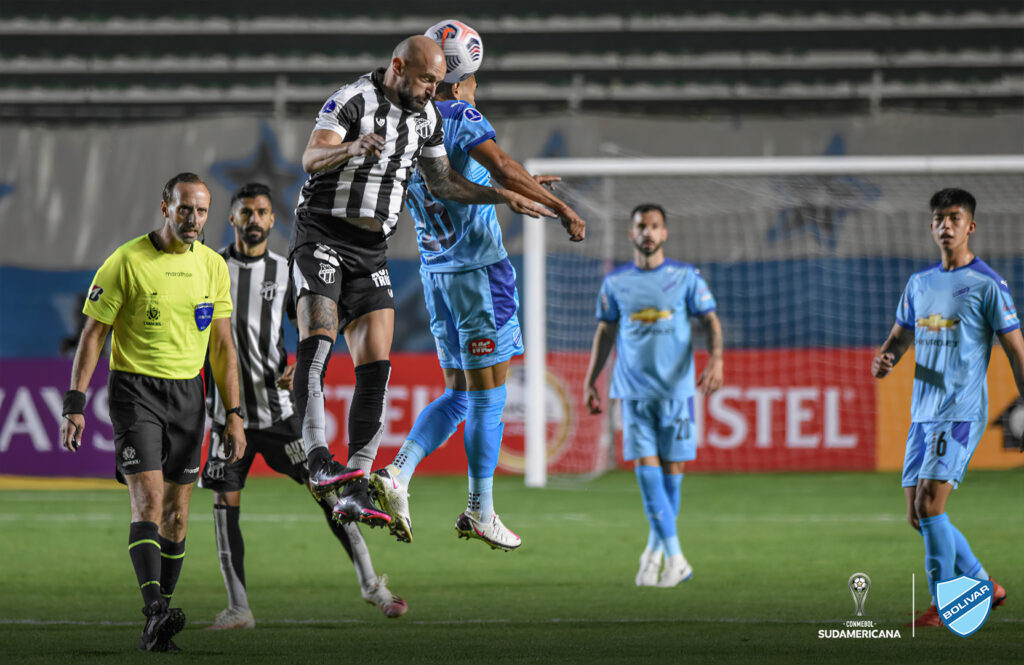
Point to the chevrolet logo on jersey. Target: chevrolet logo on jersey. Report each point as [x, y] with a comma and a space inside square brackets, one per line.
[935, 323]
[650, 315]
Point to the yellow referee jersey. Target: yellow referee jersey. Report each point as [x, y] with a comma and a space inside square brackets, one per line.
[160, 305]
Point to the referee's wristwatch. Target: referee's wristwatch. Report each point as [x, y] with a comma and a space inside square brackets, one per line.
[235, 410]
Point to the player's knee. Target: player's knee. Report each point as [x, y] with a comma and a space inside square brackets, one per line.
[925, 505]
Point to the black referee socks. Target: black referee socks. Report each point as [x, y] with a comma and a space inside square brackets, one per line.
[144, 551]
[172, 556]
[365, 415]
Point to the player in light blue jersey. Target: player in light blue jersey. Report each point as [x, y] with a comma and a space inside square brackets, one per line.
[469, 287]
[949, 311]
[648, 305]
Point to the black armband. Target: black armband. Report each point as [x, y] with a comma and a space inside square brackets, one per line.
[74, 402]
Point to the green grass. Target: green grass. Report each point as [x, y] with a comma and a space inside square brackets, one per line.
[771, 554]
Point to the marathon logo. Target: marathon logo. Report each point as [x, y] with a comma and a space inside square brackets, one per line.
[650, 315]
[481, 347]
[936, 323]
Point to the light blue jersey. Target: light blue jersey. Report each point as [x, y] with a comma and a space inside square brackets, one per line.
[653, 310]
[455, 237]
[953, 315]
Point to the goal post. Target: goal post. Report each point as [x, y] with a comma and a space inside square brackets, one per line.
[817, 225]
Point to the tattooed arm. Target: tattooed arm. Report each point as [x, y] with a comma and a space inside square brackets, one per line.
[444, 183]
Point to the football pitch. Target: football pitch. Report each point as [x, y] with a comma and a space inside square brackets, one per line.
[771, 556]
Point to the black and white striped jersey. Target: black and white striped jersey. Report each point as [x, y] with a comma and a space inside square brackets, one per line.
[259, 286]
[367, 186]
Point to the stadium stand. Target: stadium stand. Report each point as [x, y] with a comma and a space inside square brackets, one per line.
[121, 59]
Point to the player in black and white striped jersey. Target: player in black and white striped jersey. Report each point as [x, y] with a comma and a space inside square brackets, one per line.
[259, 284]
[368, 138]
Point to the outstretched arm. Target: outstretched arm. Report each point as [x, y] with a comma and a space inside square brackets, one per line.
[90, 343]
[224, 364]
[514, 176]
[604, 340]
[891, 351]
[1013, 345]
[445, 183]
[714, 373]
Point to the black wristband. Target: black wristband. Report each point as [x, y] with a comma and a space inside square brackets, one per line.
[74, 402]
[235, 410]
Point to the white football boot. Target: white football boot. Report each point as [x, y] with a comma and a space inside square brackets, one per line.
[494, 533]
[378, 594]
[650, 566]
[393, 498]
[233, 617]
[676, 570]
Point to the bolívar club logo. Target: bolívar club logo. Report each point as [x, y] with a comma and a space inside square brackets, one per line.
[95, 292]
[481, 347]
[963, 603]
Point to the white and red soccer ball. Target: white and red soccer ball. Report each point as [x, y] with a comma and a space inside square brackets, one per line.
[462, 46]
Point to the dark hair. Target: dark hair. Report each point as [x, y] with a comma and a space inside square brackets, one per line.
[951, 197]
[648, 207]
[444, 90]
[168, 194]
[250, 191]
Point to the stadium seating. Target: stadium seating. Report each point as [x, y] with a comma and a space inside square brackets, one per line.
[119, 59]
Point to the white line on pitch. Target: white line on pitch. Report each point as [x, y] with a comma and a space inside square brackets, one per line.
[468, 622]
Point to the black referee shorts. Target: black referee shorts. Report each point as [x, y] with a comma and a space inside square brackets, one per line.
[280, 444]
[350, 268]
[158, 425]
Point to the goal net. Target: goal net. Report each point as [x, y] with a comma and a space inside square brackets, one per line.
[806, 257]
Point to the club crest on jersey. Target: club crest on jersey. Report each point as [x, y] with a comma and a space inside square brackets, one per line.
[481, 347]
[650, 315]
[326, 273]
[329, 106]
[936, 323]
[963, 603]
[204, 315]
[95, 292]
[423, 128]
[268, 290]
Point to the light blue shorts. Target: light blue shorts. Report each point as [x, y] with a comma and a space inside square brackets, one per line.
[473, 315]
[940, 450]
[659, 427]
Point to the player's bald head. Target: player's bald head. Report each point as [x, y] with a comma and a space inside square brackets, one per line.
[418, 49]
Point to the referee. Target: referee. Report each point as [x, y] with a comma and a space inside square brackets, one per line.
[162, 294]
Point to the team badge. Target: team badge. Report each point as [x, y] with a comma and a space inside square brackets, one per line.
[268, 290]
[473, 115]
[326, 273]
[128, 453]
[204, 315]
[963, 603]
[423, 128]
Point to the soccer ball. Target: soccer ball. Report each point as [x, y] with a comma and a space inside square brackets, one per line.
[859, 583]
[462, 46]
